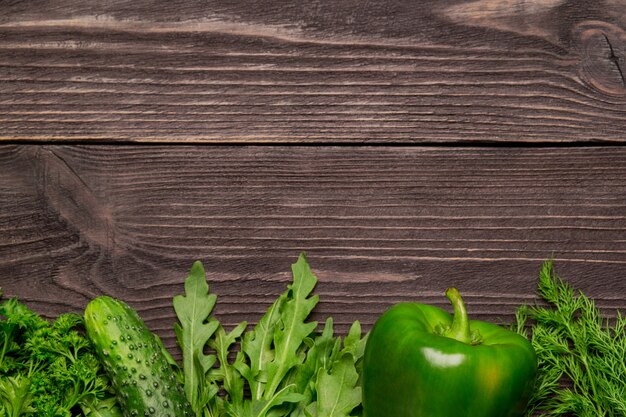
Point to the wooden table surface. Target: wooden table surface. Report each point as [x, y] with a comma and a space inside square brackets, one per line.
[121, 162]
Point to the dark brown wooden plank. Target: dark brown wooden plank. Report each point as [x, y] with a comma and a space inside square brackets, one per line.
[380, 225]
[329, 71]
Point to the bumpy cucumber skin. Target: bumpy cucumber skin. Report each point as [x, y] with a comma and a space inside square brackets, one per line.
[145, 383]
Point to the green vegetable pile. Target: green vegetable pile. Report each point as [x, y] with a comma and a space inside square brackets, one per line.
[107, 363]
[282, 367]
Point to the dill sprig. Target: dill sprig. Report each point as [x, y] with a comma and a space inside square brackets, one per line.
[581, 355]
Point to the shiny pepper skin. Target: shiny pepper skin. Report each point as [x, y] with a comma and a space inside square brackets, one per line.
[421, 362]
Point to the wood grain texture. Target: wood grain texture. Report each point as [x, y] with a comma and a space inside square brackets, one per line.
[380, 225]
[320, 71]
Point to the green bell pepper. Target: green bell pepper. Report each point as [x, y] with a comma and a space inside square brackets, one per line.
[420, 361]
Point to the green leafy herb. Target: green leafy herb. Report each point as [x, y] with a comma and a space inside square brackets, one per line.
[337, 385]
[15, 396]
[193, 333]
[283, 367]
[48, 369]
[101, 408]
[232, 383]
[337, 392]
[581, 366]
[275, 346]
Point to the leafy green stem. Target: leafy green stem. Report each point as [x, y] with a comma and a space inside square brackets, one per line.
[4, 348]
[272, 401]
[263, 354]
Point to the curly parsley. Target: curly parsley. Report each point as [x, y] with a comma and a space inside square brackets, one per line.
[49, 369]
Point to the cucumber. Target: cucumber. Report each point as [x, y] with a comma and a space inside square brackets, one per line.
[135, 360]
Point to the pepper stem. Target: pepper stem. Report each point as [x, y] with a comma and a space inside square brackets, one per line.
[460, 329]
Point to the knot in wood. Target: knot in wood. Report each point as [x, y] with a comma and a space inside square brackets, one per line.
[603, 56]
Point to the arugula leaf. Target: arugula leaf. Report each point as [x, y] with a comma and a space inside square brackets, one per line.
[275, 346]
[290, 334]
[320, 356]
[327, 375]
[338, 383]
[354, 343]
[227, 374]
[337, 390]
[194, 330]
[263, 408]
[257, 346]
